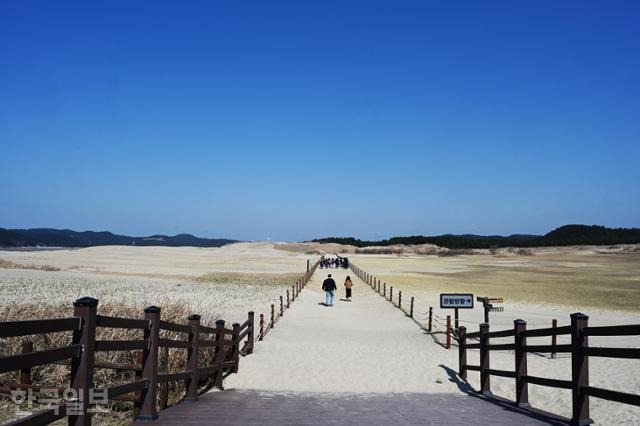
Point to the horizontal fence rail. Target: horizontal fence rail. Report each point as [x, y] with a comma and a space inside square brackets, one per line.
[578, 348]
[579, 351]
[228, 344]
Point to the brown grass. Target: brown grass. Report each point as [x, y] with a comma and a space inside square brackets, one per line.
[249, 278]
[609, 281]
[7, 264]
[174, 360]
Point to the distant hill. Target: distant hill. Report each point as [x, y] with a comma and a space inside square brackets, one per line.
[68, 238]
[568, 235]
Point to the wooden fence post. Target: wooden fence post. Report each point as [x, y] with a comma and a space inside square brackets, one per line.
[485, 377]
[411, 308]
[219, 355]
[448, 331]
[147, 403]
[378, 287]
[236, 347]
[400, 299]
[273, 315]
[430, 317]
[251, 334]
[261, 327]
[391, 293]
[384, 290]
[164, 387]
[522, 388]
[288, 302]
[192, 358]
[462, 352]
[281, 307]
[579, 369]
[82, 366]
[25, 373]
[554, 324]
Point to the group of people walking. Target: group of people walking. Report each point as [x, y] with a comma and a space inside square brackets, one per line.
[334, 262]
[329, 286]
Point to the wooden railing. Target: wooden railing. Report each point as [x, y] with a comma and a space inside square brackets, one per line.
[578, 348]
[81, 355]
[283, 304]
[381, 288]
[227, 343]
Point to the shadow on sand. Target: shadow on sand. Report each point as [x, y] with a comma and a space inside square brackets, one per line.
[503, 403]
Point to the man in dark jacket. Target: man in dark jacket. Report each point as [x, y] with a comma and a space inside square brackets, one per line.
[329, 287]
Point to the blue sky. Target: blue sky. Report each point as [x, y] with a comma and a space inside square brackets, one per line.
[295, 120]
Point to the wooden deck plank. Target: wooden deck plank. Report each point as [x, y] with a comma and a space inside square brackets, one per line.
[246, 407]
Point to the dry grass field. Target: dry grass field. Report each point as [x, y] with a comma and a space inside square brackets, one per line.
[227, 282]
[576, 278]
[216, 283]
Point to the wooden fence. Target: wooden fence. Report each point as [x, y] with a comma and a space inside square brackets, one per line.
[227, 343]
[578, 349]
[277, 313]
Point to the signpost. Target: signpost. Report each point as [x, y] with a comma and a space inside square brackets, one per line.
[487, 304]
[456, 301]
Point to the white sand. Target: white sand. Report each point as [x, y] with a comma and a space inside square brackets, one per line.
[143, 276]
[368, 346]
[165, 261]
[364, 346]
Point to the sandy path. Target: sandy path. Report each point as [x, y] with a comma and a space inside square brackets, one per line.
[364, 346]
[369, 347]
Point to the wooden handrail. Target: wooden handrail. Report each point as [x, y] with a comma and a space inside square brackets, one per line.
[632, 353]
[613, 330]
[26, 328]
[503, 333]
[544, 381]
[553, 331]
[116, 322]
[28, 360]
[170, 343]
[623, 397]
[578, 348]
[81, 356]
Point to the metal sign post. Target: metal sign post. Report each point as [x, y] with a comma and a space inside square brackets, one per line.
[487, 304]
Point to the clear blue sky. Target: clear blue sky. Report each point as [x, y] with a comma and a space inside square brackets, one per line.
[294, 120]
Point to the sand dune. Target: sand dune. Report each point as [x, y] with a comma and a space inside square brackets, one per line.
[367, 346]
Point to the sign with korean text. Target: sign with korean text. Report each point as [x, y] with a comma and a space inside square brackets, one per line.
[456, 300]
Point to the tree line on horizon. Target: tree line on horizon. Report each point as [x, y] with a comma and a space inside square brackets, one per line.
[48, 237]
[568, 235]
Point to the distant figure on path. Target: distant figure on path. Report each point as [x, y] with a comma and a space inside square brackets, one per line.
[348, 284]
[329, 287]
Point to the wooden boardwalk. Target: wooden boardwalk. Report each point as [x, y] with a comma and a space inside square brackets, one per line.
[246, 407]
[310, 370]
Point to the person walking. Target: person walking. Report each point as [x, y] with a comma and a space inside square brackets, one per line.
[348, 284]
[329, 287]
